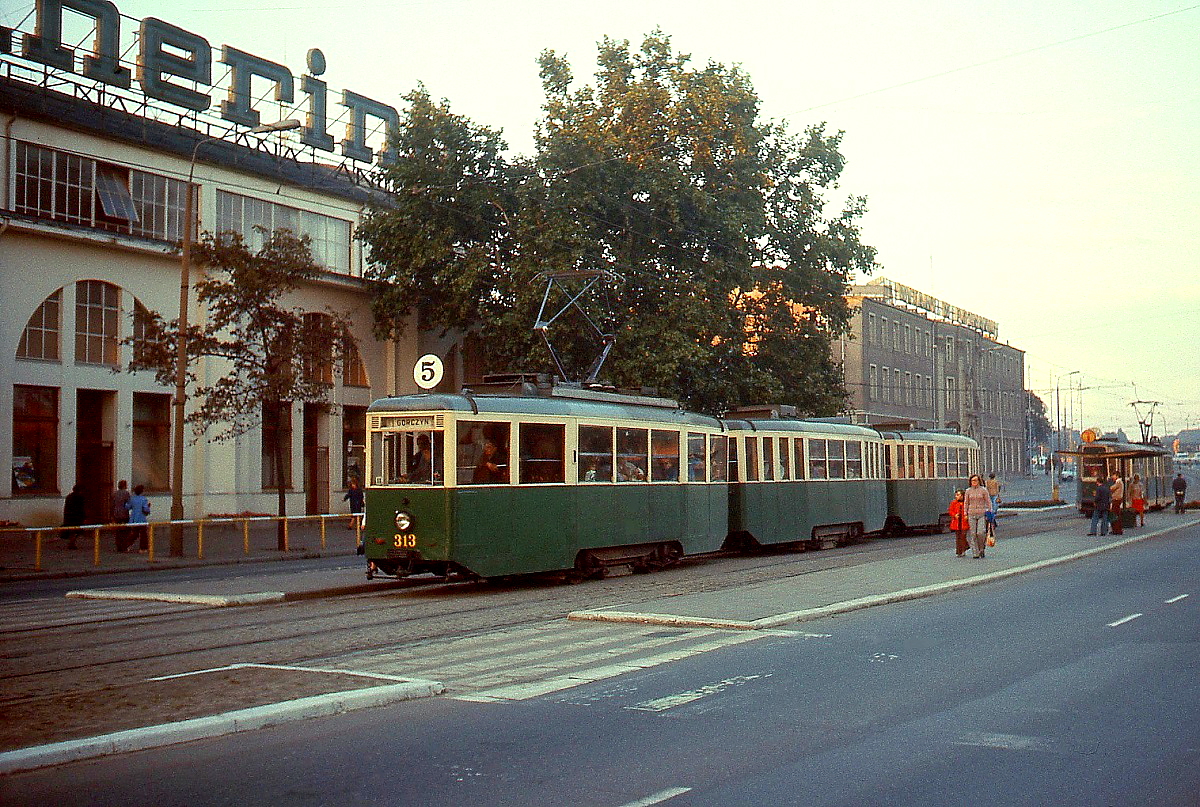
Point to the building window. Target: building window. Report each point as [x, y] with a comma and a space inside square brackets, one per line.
[276, 430]
[40, 339]
[908, 339]
[873, 383]
[35, 441]
[64, 187]
[869, 331]
[329, 236]
[152, 440]
[951, 394]
[97, 308]
[887, 385]
[895, 337]
[354, 372]
[908, 389]
[318, 362]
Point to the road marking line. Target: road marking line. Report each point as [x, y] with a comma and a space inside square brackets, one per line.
[1004, 742]
[659, 797]
[1177, 599]
[671, 701]
[1123, 620]
[244, 666]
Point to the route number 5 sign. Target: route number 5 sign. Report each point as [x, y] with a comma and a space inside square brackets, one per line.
[428, 371]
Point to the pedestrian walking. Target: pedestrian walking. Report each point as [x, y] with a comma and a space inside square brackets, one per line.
[1101, 501]
[1179, 487]
[119, 515]
[354, 495]
[74, 513]
[993, 489]
[139, 512]
[1137, 496]
[977, 503]
[1117, 491]
[958, 523]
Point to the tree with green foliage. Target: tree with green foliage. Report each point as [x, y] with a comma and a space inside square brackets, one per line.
[270, 356]
[728, 276]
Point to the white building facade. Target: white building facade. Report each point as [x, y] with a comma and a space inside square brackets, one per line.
[94, 170]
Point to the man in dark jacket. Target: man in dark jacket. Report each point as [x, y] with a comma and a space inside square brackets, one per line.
[1101, 501]
[73, 514]
[1179, 486]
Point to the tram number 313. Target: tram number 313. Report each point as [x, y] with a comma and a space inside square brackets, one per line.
[405, 540]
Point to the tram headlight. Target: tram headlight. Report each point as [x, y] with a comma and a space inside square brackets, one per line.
[404, 520]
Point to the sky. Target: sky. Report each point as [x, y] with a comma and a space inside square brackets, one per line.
[1034, 161]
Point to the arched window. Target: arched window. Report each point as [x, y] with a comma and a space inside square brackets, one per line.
[318, 354]
[41, 337]
[354, 372]
[97, 312]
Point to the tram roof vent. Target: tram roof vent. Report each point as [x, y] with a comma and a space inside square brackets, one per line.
[765, 412]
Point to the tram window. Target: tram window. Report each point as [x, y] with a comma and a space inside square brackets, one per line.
[912, 461]
[929, 472]
[721, 464]
[940, 453]
[818, 467]
[595, 454]
[664, 456]
[542, 450]
[854, 463]
[837, 459]
[482, 456]
[800, 464]
[751, 459]
[407, 458]
[964, 462]
[697, 458]
[768, 445]
[785, 471]
[632, 454]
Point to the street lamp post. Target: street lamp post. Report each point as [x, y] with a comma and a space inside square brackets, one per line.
[185, 282]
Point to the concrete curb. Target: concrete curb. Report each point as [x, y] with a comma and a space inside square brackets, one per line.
[846, 606]
[258, 717]
[257, 598]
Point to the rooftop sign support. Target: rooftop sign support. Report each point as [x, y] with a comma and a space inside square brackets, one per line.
[174, 66]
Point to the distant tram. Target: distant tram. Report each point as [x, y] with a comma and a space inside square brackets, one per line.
[1100, 458]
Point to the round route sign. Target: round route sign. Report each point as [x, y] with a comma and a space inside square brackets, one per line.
[428, 371]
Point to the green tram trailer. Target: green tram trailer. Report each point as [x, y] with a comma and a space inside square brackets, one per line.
[540, 478]
[923, 470]
[803, 482]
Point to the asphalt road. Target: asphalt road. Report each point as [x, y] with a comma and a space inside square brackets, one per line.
[1076, 685]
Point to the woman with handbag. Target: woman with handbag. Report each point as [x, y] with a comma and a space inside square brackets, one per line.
[958, 523]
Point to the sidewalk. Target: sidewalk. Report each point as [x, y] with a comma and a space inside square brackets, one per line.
[774, 603]
[220, 544]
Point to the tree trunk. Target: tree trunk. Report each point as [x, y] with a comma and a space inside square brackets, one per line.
[282, 449]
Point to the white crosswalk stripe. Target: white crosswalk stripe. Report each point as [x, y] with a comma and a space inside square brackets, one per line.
[526, 662]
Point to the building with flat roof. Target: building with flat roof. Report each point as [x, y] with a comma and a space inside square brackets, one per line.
[910, 358]
[99, 146]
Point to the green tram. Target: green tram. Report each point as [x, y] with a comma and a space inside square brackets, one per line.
[923, 469]
[804, 482]
[540, 478]
[1100, 458]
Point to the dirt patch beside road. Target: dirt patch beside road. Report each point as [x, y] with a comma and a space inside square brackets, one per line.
[136, 704]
